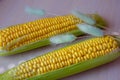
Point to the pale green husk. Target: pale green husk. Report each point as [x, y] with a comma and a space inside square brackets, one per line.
[63, 38]
[87, 19]
[33, 11]
[92, 30]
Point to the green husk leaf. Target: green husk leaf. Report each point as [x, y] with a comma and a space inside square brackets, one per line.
[6, 76]
[26, 47]
[76, 68]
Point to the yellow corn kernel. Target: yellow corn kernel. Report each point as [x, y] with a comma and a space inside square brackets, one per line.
[64, 57]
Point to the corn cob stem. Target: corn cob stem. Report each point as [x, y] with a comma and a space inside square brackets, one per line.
[67, 61]
[11, 45]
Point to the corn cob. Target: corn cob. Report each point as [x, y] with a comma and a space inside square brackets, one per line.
[21, 37]
[66, 61]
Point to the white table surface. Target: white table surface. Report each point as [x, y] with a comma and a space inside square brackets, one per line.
[12, 12]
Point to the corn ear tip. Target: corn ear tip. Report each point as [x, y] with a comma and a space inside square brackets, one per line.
[100, 22]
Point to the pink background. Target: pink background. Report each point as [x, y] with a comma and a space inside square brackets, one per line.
[12, 12]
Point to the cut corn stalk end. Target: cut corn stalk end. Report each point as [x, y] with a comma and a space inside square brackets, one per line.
[91, 19]
[100, 22]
